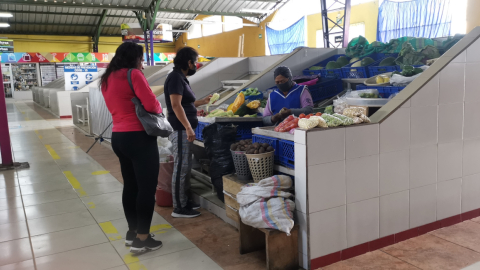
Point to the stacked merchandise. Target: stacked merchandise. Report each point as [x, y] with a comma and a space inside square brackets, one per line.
[25, 76]
[48, 73]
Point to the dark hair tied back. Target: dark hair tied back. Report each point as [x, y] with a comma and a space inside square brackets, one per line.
[184, 55]
[128, 55]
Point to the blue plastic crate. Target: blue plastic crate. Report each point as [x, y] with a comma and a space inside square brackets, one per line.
[325, 88]
[265, 139]
[360, 72]
[387, 91]
[287, 153]
[199, 130]
[326, 73]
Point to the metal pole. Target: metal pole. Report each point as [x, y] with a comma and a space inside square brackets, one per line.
[5, 145]
[146, 47]
[346, 23]
[151, 47]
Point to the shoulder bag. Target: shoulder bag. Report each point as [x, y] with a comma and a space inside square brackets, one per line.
[154, 124]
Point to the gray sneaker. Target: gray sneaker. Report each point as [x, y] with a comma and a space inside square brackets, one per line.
[185, 213]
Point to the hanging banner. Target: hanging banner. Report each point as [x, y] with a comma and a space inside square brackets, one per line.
[6, 46]
[77, 76]
[133, 32]
[55, 57]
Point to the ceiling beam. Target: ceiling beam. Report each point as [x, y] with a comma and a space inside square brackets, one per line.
[50, 33]
[71, 14]
[71, 5]
[131, 8]
[61, 24]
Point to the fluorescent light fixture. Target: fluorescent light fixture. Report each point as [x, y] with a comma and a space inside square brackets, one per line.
[4, 25]
[5, 14]
[259, 11]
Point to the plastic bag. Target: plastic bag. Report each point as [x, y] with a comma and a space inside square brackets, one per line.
[321, 121]
[399, 80]
[217, 141]
[354, 111]
[332, 121]
[347, 121]
[340, 104]
[366, 93]
[165, 175]
[257, 201]
[165, 149]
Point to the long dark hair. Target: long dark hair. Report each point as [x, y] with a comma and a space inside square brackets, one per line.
[127, 55]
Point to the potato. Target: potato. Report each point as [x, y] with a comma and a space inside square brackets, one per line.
[265, 145]
[256, 152]
[270, 149]
[257, 145]
[233, 147]
[261, 150]
[250, 151]
[242, 148]
[238, 149]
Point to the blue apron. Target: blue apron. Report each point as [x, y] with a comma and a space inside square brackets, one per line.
[292, 101]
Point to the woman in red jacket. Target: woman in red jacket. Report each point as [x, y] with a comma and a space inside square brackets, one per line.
[137, 151]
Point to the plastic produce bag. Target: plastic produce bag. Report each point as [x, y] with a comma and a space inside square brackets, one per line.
[347, 121]
[165, 148]
[367, 93]
[354, 111]
[332, 121]
[268, 198]
[340, 104]
[165, 175]
[321, 121]
[217, 141]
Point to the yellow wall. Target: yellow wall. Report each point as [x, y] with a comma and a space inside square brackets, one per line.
[40, 43]
[226, 43]
[366, 13]
[473, 20]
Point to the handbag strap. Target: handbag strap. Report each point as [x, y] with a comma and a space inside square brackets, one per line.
[129, 78]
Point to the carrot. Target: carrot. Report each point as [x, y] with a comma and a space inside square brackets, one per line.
[284, 122]
[290, 125]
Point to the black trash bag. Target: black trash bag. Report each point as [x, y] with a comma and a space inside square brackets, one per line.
[217, 140]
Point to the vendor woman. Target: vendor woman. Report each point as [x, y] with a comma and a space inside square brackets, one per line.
[293, 98]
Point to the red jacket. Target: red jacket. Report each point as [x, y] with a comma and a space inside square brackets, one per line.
[118, 95]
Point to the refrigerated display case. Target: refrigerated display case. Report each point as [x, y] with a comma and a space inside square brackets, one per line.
[7, 80]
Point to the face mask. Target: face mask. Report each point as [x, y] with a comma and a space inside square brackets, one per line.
[285, 87]
[192, 71]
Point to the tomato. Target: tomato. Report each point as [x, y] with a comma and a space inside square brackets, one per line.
[308, 116]
[301, 116]
[318, 114]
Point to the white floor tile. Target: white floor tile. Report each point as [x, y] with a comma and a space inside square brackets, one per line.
[56, 242]
[15, 251]
[12, 215]
[50, 196]
[25, 265]
[54, 208]
[60, 222]
[13, 231]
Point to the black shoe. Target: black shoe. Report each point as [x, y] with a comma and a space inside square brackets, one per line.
[185, 213]
[129, 238]
[139, 246]
[193, 205]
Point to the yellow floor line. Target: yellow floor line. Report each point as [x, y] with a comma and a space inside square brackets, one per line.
[91, 205]
[130, 258]
[100, 172]
[38, 134]
[137, 266]
[159, 227]
[52, 152]
[75, 184]
[108, 227]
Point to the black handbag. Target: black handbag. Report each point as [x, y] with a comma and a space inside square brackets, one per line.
[154, 124]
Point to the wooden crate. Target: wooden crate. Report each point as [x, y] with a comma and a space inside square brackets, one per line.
[231, 201]
[232, 213]
[232, 184]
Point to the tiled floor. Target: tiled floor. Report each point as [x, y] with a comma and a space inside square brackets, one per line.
[65, 211]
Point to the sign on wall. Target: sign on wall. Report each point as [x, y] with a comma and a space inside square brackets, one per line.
[77, 76]
[133, 32]
[6, 45]
[55, 57]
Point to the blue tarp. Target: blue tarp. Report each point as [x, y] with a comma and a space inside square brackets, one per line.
[285, 41]
[416, 18]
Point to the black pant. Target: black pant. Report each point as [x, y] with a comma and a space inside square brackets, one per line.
[140, 164]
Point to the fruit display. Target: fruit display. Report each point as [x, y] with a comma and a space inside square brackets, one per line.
[364, 62]
[251, 92]
[214, 98]
[254, 104]
[382, 79]
[251, 148]
[387, 62]
[408, 71]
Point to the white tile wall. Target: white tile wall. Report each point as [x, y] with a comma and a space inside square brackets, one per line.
[394, 213]
[328, 231]
[326, 146]
[326, 186]
[452, 83]
[427, 95]
[450, 122]
[450, 161]
[300, 136]
[394, 172]
[362, 141]
[471, 126]
[395, 131]
[362, 178]
[449, 197]
[423, 125]
[471, 156]
[301, 177]
[301, 219]
[423, 166]
[472, 52]
[362, 222]
[472, 81]
[461, 58]
[423, 201]
[470, 192]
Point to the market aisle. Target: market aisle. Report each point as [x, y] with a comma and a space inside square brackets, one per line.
[65, 212]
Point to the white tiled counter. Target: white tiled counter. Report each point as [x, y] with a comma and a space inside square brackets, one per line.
[415, 169]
